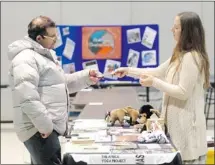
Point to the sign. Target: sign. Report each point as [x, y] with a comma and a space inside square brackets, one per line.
[101, 43]
[113, 159]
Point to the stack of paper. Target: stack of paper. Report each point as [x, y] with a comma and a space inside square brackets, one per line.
[86, 137]
[122, 131]
[125, 138]
[89, 124]
[84, 148]
[123, 145]
[102, 138]
[82, 140]
[89, 120]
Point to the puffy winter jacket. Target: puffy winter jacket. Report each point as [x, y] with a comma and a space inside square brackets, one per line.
[40, 89]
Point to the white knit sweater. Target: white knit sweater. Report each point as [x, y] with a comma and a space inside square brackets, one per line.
[183, 104]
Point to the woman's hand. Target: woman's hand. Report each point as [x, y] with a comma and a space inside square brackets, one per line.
[120, 72]
[146, 80]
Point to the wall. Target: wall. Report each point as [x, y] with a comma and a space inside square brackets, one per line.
[15, 17]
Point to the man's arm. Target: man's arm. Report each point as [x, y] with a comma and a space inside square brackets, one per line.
[78, 80]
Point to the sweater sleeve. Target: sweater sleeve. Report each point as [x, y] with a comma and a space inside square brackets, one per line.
[156, 72]
[188, 77]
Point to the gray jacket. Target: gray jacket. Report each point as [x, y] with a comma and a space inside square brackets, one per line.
[40, 89]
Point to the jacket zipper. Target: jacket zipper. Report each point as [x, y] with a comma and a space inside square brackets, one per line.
[67, 99]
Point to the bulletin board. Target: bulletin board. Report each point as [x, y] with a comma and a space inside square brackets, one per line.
[107, 48]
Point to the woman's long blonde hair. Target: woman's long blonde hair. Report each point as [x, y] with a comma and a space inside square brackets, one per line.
[192, 39]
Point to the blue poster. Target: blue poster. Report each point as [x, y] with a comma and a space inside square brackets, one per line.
[107, 48]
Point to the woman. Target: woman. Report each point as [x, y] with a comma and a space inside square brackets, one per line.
[183, 79]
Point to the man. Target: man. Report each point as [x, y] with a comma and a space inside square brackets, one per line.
[40, 91]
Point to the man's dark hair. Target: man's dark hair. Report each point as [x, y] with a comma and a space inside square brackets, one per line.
[38, 26]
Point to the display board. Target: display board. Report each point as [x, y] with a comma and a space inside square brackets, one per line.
[108, 47]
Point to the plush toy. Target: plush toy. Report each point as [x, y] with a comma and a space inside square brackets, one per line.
[145, 113]
[131, 116]
[126, 115]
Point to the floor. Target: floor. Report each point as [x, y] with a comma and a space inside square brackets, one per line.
[10, 145]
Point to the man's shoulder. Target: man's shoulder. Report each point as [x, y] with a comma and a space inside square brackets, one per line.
[29, 57]
[25, 55]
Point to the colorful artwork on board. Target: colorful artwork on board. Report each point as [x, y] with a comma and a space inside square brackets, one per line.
[101, 43]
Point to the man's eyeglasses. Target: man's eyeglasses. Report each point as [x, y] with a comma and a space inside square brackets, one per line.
[52, 38]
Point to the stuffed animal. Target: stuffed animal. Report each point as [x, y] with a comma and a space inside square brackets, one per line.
[145, 113]
[126, 114]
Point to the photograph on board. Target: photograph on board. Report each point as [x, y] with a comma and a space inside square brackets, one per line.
[69, 48]
[65, 31]
[149, 37]
[59, 41]
[133, 58]
[110, 66]
[92, 64]
[133, 36]
[69, 68]
[149, 58]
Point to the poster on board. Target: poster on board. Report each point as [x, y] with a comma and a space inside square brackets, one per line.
[101, 43]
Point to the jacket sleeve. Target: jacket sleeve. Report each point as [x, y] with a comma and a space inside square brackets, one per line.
[75, 81]
[78, 80]
[160, 71]
[25, 77]
[188, 77]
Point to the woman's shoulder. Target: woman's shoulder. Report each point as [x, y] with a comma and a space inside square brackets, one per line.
[192, 56]
[190, 53]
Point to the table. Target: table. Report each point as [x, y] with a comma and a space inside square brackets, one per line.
[110, 95]
[122, 83]
[107, 149]
[96, 103]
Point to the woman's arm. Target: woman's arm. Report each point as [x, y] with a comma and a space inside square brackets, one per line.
[188, 78]
[156, 72]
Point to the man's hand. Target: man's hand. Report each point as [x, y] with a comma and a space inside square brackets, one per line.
[44, 136]
[95, 76]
